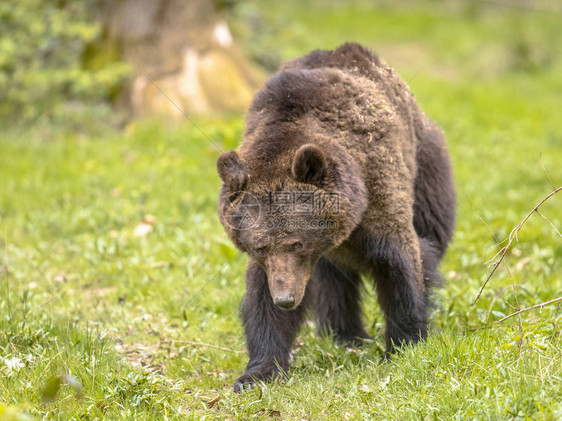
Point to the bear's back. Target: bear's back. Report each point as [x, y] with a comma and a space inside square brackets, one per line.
[349, 57]
[354, 59]
[348, 94]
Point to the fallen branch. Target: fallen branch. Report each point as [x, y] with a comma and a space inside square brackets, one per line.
[523, 310]
[513, 236]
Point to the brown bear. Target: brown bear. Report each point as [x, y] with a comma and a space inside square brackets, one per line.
[340, 175]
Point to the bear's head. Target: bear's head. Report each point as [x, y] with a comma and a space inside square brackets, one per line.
[287, 221]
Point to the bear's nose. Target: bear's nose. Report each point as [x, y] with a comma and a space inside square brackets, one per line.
[285, 301]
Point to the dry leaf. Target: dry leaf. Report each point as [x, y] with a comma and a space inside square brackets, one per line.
[365, 388]
[60, 278]
[522, 263]
[145, 226]
[272, 413]
[142, 229]
[212, 402]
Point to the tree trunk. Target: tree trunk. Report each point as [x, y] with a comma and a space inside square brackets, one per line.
[182, 55]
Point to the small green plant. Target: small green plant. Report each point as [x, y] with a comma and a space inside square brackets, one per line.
[42, 72]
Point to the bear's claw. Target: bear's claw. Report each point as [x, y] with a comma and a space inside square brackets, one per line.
[244, 383]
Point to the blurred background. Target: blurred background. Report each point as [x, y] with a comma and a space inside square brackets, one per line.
[79, 62]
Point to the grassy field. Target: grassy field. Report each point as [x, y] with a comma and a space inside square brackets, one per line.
[119, 290]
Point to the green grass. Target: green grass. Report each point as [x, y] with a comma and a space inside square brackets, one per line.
[148, 325]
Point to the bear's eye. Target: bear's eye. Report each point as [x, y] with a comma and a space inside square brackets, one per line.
[296, 246]
[261, 252]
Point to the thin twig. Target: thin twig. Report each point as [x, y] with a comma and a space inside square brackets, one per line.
[204, 345]
[550, 222]
[512, 236]
[498, 242]
[530, 308]
[546, 173]
[183, 112]
[496, 296]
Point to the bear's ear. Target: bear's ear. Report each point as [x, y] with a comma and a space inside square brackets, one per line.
[309, 164]
[232, 171]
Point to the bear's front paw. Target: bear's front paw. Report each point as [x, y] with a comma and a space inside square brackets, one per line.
[244, 382]
[249, 379]
[353, 341]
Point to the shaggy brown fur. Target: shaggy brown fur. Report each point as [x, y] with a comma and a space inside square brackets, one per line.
[335, 124]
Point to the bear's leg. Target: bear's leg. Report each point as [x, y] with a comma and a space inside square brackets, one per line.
[430, 257]
[336, 295]
[434, 206]
[269, 330]
[400, 288]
